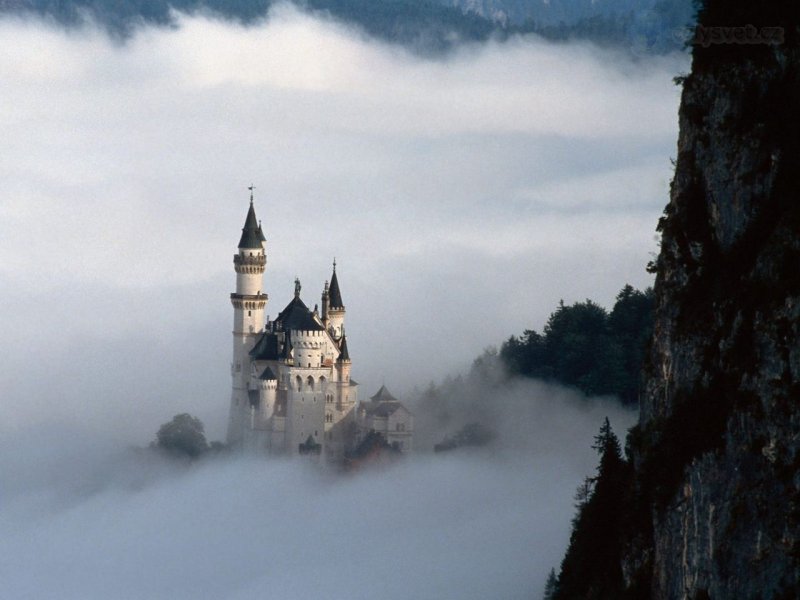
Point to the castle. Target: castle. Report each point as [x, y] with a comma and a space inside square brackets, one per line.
[291, 386]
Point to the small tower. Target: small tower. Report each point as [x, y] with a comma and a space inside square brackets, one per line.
[248, 317]
[344, 363]
[334, 315]
[326, 301]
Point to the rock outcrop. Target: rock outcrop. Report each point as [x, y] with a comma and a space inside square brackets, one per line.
[722, 393]
[715, 484]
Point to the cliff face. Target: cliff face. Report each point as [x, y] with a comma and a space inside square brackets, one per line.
[717, 451]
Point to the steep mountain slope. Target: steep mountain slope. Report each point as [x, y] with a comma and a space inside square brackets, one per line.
[724, 378]
[715, 489]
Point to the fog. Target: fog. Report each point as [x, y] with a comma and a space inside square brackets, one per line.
[462, 197]
[83, 517]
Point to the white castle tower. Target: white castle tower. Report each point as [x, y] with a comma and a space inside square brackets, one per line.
[291, 388]
[248, 317]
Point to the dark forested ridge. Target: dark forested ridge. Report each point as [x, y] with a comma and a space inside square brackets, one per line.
[585, 346]
[710, 486]
[427, 25]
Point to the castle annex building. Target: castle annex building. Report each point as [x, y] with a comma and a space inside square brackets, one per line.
[291, 386]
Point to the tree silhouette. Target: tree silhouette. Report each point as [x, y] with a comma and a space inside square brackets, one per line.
[591, 567]
[183, 436]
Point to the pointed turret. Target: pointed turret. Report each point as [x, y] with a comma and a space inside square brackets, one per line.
[261, 232]
[333, 306]
[344, 355]
[252, 235]
[333, 292]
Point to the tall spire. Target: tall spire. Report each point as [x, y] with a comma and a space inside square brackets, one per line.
[344, 354]
[252, 236]
[333, 291]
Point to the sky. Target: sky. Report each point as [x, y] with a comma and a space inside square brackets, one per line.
[462, 196]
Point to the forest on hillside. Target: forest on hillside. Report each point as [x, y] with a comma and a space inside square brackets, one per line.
[585, 346]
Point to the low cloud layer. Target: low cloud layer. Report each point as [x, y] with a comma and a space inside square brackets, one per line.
[84, 518]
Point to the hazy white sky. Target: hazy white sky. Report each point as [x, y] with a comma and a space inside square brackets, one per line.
[462, 197]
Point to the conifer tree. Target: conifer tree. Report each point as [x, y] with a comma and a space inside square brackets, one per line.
[591, 567]
[551, 587]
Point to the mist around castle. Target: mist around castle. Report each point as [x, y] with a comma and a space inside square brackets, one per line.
[386, 426]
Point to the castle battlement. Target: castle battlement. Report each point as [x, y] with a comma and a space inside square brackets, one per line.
[291, 386]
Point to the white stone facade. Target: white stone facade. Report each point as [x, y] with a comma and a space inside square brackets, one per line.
[291, 387]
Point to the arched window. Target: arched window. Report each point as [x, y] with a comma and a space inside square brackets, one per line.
[322, 381]
[310, 382]
[299, 383]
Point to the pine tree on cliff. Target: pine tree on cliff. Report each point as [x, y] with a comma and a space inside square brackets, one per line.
[551, 587]
[591, 568]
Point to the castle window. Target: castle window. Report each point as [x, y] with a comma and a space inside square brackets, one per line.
[249, 313]
[310, 381]
[329, 418]
[299, 383]
[400, 427]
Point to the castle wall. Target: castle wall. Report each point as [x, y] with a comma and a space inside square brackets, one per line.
[305, 416]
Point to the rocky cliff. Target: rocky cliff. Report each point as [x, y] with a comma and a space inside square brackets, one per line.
[713, 499]
[722, 395]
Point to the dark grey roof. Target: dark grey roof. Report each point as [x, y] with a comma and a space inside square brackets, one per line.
[353, 383]
[253, 397]
[383, 409]
[252, 236]
[345, 354]
[333, 292]
[296, 316]
[383, 404]
[266, 348]
[268, 375]
[383, 395]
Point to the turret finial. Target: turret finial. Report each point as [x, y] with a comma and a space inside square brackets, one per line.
[334, 264]
[297, 287]
[251, 188]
